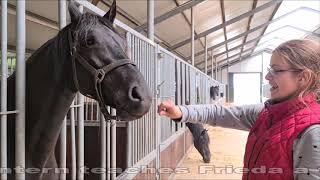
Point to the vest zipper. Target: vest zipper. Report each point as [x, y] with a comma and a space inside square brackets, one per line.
[250, 159]
[256, 157]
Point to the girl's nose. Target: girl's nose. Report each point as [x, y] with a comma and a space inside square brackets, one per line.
[268, 76]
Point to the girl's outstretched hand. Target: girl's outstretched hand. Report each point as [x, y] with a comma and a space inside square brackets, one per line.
[169, 109]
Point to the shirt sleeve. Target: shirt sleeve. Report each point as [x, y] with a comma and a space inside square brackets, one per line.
[236, 117]
[306, 154]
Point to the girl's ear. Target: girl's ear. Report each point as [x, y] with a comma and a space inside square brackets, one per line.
[305, 78]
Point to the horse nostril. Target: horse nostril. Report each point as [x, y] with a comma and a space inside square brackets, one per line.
[135, 95]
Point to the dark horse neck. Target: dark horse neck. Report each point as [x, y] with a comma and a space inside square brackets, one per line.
[49, 94]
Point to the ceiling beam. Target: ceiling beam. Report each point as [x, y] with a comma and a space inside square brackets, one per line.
[224, 60]
[171, 13]
[219, 66]
[258, 38]
[189, 23]
[231, 21]
[223, 16]
[238, 60]
[256, 28]
[254, 5]
[244, 58]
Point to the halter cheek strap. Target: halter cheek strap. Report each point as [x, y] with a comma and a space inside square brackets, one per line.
[98, 74]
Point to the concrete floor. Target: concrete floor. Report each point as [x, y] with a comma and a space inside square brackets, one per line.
[227, 149]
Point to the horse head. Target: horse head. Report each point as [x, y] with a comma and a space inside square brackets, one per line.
[201, 143]
[101, 67]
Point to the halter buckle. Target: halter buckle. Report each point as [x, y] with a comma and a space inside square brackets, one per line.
[73, 50]
[100, 75]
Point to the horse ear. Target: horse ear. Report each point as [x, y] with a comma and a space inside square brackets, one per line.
[74, 11]
[111, 14]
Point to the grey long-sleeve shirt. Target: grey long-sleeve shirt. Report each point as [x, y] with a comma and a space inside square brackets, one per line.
[306, 148]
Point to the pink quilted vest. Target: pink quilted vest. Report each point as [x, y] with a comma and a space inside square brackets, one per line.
[269, 153]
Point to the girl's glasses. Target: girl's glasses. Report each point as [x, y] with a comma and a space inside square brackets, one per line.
[274, 72]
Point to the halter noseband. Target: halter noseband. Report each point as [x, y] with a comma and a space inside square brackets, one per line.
[98, 74]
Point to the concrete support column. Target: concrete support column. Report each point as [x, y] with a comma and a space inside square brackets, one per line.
[206, 55]
[150, 10]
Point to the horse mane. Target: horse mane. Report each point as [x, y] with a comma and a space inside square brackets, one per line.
[52, 54]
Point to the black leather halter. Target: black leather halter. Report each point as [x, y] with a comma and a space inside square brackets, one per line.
[98, 74]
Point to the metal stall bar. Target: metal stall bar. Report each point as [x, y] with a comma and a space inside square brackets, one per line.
[73, 143]
[113, 145]
[20, 88]
[63, 150]
[216, 62]
[108, 148]
[4, 74]
[178, 88]
[154, 85]
[206, 56]
[129, 124]
[183, 83]
[185, 91]
[143, 128]
[134, 135]
[155, 102]
[158, 122]
[103, 142]
[179, 82]
[192, 36]
[188, 85]
[212, 66]
[132, 124]
[138, 121]
[80, 174]
[142, 121]
[147, 133]
[63, 134]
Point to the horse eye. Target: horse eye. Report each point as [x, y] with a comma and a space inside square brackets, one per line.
[90, 41]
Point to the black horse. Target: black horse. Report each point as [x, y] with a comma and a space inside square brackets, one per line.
[214, 92]
[201, 140]
[88, 56]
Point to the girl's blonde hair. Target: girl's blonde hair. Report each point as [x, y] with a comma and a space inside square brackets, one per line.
[303, 54]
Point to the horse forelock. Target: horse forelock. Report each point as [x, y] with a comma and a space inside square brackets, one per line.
[86, 23]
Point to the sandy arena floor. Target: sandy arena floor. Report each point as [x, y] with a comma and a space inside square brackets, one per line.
[227, 149]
